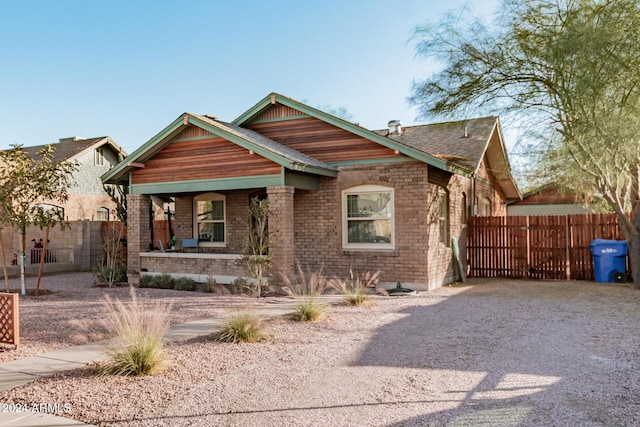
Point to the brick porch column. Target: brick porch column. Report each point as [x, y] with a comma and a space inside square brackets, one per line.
[281, 232]
[138, 233]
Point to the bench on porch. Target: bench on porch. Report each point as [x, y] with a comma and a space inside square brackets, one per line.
[189, 244]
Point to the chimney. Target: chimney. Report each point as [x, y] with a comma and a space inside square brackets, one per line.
[395, 127]
[71, 139]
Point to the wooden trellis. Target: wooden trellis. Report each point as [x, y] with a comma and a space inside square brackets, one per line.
[9, 319]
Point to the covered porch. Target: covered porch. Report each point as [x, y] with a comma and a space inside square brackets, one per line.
[221, 241]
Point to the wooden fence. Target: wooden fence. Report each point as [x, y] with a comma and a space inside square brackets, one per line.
[538, 247]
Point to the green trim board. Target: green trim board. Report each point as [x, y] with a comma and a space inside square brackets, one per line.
[301, 181]
[239, 183]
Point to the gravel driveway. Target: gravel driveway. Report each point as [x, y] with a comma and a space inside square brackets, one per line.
[492, 352]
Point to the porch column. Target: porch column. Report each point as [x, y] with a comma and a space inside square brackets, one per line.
[281, 232]
[138, 233]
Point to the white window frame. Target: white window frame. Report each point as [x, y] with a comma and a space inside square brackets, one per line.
[98, 159]
[211, 197]
[102, 211]
[364, 189]
[443, 216]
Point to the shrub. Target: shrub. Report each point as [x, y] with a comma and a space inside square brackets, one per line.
[242, 327]
[308, 310]
[137, 346]
[209, 286]
[185, 284]
[306, 288]
[239, 285]
[147, 282]
[356, 288]
[111, 274]
[165, 281]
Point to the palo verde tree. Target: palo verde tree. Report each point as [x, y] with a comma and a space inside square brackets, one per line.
[26, 184]
[569, 68]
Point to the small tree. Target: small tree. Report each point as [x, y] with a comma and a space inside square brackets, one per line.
[118, 194]
[570, 69]
[113, 265]
[256, 257]
[25, 184]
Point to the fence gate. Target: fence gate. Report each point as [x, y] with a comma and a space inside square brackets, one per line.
[537, 247]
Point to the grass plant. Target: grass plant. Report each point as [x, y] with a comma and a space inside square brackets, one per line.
[137, 347]
[242, 327]
[306, 288]
[355, 289]
[308, 310]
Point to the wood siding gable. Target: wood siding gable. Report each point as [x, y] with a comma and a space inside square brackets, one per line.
[322, 140]
[196, 154]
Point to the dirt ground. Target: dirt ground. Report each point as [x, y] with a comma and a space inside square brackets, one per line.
[490, 352]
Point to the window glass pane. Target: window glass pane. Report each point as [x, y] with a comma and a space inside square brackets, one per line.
[369, 205]
[369, 231]
[209, 210]
[211, 232]
[217, 208]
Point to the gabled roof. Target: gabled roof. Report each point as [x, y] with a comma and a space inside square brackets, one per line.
[464, 143]
[69, 149]
[246, 138]
[457, 147]
[275, 98]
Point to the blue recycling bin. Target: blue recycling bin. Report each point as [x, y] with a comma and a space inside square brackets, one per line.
[609, 260]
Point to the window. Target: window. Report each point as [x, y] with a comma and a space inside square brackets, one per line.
[486, 207]
[99, 157]
[102, 214]
[443, 213]
[209, 219]
[368, 221]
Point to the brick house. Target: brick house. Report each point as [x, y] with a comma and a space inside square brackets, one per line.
[92, 157]
[341, 197]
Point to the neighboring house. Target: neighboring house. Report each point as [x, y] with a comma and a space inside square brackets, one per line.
[545, 200]
[92, 158]
[342, 198]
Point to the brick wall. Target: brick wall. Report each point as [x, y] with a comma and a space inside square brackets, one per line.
[138, 232]
[224, 268]
[318, 225]
[281, 232]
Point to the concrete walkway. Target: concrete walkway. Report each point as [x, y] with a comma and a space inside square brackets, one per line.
[23, 371]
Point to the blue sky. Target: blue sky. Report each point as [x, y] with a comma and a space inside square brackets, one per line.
[129, 68]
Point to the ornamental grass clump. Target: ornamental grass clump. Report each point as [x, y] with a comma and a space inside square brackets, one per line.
[242, 327]
[356, 288]
[137, 347]
[306, 288]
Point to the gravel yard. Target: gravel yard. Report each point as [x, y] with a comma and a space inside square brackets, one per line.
[492, 352]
